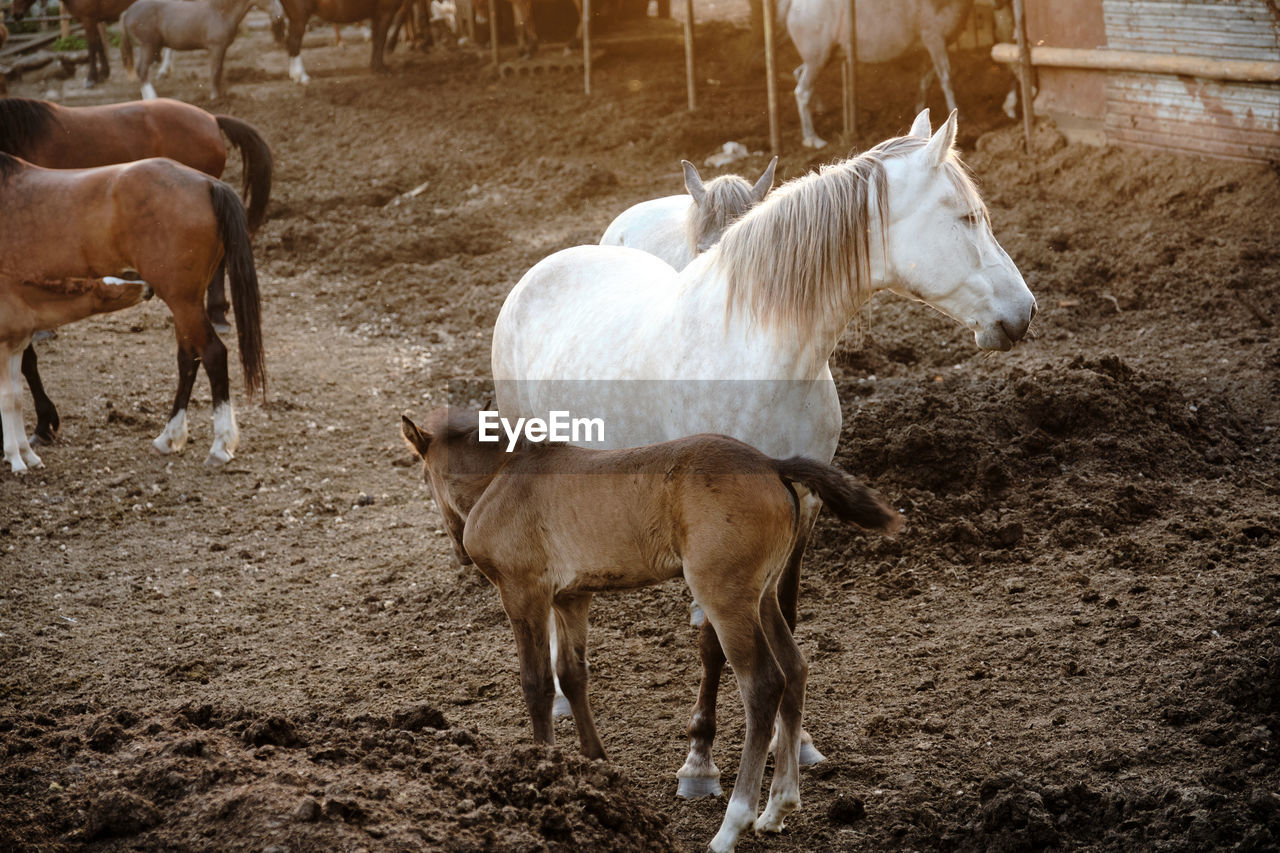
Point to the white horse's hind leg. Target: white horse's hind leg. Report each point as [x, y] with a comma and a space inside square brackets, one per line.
[166, 61]
[937, 47]
[296, 72]
[226, 435]
[174, 435]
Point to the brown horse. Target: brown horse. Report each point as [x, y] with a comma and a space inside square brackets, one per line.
[550, 525]
[297, 12]
[27, 305]
[152, 219]
[526, 35]
[183, 25]
[91, 14]
[58, 137]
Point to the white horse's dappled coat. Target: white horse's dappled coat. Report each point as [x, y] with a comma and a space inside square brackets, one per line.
[739, 342]
[677, 228]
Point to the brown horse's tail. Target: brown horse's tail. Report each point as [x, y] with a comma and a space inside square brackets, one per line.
[234, 233]
[849, 499]
[126, 50]
[256, 156]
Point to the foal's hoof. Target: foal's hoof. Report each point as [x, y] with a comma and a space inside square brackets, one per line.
[694, 788]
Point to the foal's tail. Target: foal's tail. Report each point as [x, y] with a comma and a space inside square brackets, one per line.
[849, 499]
[126, 50]
[256, 156]
[234, 233]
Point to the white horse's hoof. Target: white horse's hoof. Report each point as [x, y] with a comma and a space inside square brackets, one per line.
[814, 142]
[809, 755]
[561, 707]
[217, 458]
[695, 788]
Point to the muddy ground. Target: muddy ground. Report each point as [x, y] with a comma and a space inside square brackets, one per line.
[1073, 646]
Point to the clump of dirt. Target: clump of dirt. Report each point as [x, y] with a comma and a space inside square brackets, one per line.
[208, 777]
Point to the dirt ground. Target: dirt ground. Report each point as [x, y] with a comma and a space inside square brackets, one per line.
[1073, 646]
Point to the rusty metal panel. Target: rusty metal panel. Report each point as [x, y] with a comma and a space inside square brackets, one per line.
[1224, 119]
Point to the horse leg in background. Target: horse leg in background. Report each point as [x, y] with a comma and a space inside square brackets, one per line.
[47, 421]
[216, 300]
[147, 54]
[337, 36]
[936, 43]
[381, 24]
[760, 681]
[166, 62]
[17, 452]
[784, 793]
[526, 36]
[293, 46]
[819, 53]
[700, 777]
[570, 613]
[217, 54]
[529, 612]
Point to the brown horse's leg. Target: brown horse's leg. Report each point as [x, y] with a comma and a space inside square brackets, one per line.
[788, 598]
[216, 300]
[47, 420]
[17, 452]
[293, 44]
[528, 613]
[699, 777]
[380, 25]
[760, 680]
[173, 438]
[571, 629]
[216, 58]
[226, 435]
[784, 794]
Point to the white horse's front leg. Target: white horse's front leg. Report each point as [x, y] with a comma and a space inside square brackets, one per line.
[296, 72]
[226, 436]
[174, 435]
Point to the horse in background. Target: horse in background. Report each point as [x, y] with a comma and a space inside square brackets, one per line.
[522, 13]
[677, 228]
[739, 342]
[550, 525]
[92, 15]
[887, 29]
[183, 25]
[59, 137]
[28, 305]
[159, 221]
[379, 13]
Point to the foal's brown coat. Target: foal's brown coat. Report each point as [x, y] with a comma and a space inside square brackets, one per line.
[550, 525]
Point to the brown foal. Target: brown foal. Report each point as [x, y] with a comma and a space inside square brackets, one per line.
[552, 524]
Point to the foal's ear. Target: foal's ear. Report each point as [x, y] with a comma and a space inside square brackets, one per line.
[920, 127]
[417, 440]
[762, 187]
[692, 182]
[941, 143]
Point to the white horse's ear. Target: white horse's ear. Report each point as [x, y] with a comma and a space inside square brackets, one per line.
[692, 182]
[920, 127]
[762, 187]
[940, 145]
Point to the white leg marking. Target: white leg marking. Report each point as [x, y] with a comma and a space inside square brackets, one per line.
[226, 436]
[17, 452]
[174, 436]
[297, 72]
[737, 817]
[166, 61]
[148, 92]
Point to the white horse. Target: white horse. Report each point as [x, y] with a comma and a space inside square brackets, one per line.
[739, 342]
[676, 228]
[887, 29]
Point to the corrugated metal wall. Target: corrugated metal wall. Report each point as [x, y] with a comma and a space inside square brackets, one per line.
[1226, 119]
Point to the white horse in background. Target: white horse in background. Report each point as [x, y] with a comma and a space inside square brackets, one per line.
[738, 343]
[887, 29]
[677, 228]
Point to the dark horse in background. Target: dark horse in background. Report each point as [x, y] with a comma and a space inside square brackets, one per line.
[297, 12]
[59, 137]
[91, 14]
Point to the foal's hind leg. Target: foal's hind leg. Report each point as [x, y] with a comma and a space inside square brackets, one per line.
[788, 599]
[784, 793]
[699, 777]
[571, 626]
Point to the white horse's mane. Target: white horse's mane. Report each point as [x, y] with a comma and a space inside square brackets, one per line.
[802, 256]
